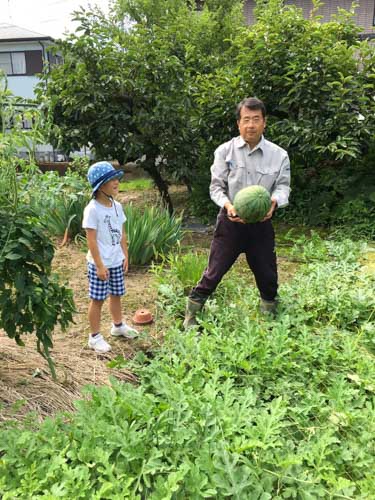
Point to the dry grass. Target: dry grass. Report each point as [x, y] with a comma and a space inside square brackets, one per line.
[26, 384]
[24, 374]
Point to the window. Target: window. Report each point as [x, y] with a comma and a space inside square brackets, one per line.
[18, 63]
[13, 63]
[28, 62]
[5, 63]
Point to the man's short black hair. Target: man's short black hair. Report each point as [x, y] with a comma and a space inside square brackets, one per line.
[250, 103]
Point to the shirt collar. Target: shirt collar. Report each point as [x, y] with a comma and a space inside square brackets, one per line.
[240, 143]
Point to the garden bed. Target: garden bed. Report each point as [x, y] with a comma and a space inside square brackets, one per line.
[25, 381]
[246, 402]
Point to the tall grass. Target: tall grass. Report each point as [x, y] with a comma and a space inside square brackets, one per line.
[186, 268]
[151, 233]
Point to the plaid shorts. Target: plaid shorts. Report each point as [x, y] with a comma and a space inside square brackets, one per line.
[100, 289]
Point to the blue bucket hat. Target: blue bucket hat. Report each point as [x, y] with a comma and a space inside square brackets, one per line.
[101, 172]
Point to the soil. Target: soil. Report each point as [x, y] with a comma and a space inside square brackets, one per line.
[25, 380]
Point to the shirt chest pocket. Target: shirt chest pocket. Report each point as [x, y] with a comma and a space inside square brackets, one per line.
[237, 171]
[267, 175]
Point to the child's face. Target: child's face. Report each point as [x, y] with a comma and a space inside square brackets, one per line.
[111, 187]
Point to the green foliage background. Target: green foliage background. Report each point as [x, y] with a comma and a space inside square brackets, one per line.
[158, 82]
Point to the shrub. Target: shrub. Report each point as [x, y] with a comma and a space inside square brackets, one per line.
[59, 201]
[151, 233]
[31, 298]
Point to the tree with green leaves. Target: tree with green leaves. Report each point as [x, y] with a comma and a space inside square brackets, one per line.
[317, 80]
[127, 82]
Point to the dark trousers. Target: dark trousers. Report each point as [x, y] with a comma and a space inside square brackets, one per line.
[231, 239]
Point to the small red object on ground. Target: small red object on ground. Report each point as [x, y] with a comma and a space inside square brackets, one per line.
[142, 317]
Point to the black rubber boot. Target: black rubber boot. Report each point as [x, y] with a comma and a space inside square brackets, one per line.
[192, 309]
[268, 307]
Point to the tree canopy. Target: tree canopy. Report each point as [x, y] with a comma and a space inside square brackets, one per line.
[128, 92]
[159, 81]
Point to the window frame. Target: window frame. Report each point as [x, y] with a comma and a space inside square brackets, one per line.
[33, 62]
[10, 52]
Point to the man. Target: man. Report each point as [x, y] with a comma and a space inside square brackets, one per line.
[244, 161]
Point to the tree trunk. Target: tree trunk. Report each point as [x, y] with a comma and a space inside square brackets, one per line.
[187, 183]
[161, 184]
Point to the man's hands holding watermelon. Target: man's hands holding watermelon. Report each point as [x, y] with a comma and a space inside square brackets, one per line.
[232, 214]
[271, 210]
[234, 217]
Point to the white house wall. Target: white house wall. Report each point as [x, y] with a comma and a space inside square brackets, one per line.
[22, 86]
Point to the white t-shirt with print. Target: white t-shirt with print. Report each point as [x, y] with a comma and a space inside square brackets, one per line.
[108, 223]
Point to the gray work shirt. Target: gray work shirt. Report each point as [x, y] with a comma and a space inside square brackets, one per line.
[237, 166]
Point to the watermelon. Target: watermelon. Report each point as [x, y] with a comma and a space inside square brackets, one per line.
[252, 203]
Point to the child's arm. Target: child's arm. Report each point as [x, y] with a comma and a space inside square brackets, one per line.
[124, 246]
[101, 270]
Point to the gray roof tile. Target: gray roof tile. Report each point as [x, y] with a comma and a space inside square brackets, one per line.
[10, 32]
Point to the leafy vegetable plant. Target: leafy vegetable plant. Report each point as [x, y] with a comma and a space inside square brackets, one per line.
[248, 407]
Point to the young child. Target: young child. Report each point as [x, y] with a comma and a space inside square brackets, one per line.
[107, 257]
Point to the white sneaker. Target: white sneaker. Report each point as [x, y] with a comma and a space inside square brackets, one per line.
[124, 331]
[99, 344]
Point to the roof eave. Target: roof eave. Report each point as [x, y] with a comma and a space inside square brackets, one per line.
[39, 39]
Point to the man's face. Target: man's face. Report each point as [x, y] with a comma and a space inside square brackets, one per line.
[251, 125]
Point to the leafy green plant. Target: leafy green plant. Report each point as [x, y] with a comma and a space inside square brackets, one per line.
[337, 201]
[151, 233]
[250, 408]
[185, 269]
[65, 218]
[79, 165]
[31, 298]
[310, 247]
[60, 201]
[356, 216]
